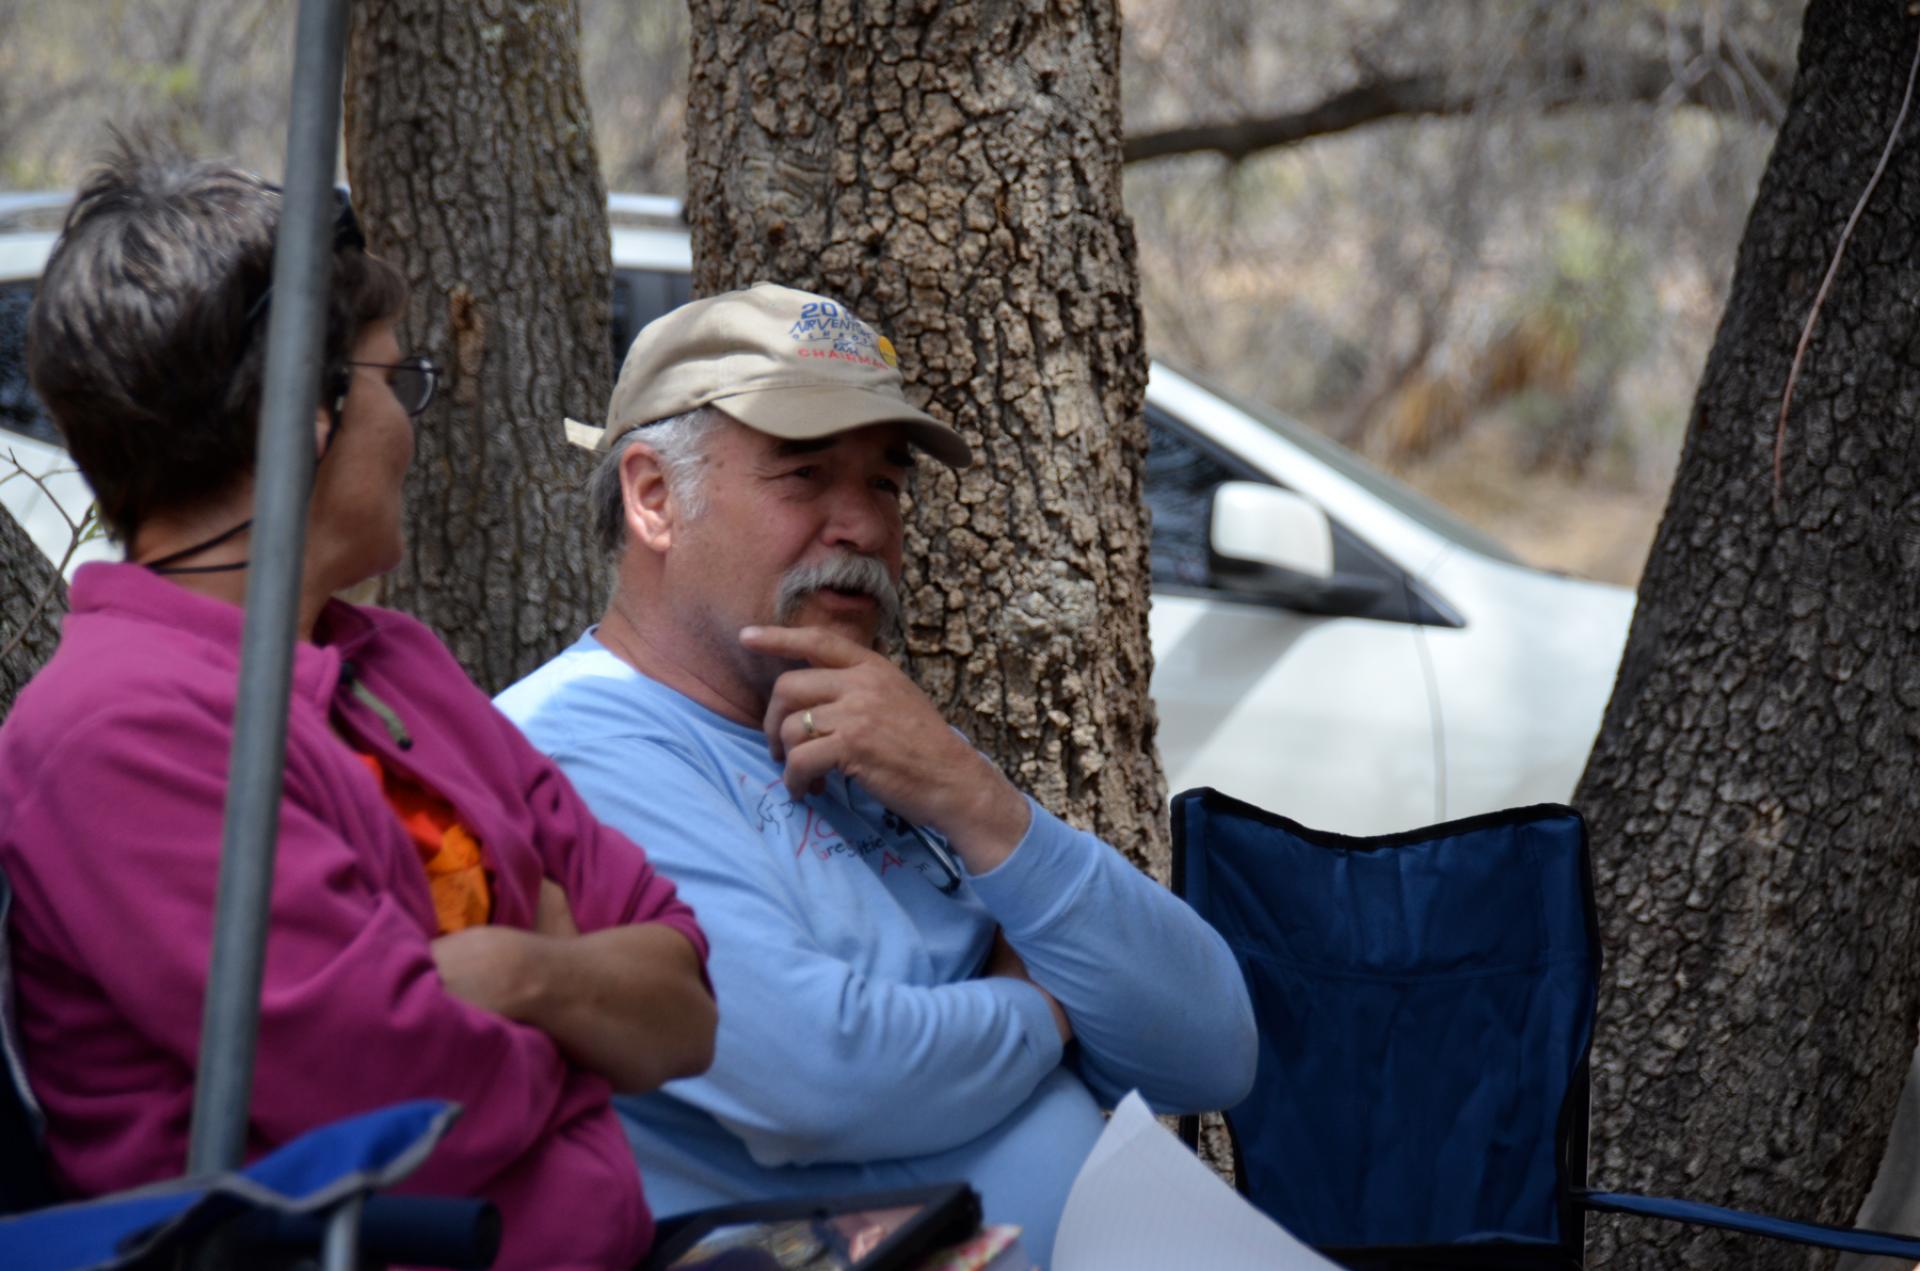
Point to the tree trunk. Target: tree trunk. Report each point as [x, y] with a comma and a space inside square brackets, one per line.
[1754, 794]
[472, 160]
[952, 172]
[32, 598]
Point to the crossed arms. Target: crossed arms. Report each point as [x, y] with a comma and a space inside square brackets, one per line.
[829, 1052]
[349, 970]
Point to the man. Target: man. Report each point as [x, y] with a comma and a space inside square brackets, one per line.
[926, 975]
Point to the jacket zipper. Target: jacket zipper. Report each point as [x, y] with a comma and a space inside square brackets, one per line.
[396, 729]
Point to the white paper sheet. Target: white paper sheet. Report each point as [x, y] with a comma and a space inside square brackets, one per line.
[1143, 1202]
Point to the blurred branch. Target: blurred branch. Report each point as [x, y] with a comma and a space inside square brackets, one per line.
[1565, 82]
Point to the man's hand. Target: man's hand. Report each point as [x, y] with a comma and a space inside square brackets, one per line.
[1004, 962]
[853, 710]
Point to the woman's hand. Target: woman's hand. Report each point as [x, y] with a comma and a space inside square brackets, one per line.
[503, 969]
[626, 1002]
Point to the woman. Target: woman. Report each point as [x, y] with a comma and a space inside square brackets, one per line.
[448, 919]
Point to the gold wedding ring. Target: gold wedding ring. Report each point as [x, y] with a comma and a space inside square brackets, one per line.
[806, 722]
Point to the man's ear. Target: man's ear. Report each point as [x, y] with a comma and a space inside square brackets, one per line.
[651, 511]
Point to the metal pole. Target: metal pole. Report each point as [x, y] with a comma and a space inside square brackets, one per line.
[340, 1251]
[282, 477]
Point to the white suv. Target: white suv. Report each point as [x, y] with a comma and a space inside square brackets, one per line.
[1327, 643]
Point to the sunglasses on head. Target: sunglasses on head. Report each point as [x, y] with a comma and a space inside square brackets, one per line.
[413, 380]
[346, 233]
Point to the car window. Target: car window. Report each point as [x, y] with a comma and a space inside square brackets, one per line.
[1409, 502]
[20, 410]
[640, 296]
[1181, 474]
[1182, 471]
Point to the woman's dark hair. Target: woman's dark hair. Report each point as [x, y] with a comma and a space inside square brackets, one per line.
[147, 341]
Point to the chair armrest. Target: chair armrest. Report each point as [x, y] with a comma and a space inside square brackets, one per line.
[420, 1231]
[1851, 1239]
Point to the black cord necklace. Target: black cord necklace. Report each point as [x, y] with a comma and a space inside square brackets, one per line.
[165, 565]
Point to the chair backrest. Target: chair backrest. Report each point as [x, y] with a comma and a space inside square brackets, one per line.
[1425, 1003]
[25, 1181]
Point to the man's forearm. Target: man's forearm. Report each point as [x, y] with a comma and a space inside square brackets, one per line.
[937, 1065]
[1003, 961]
[625, 1002]
[1145, 983]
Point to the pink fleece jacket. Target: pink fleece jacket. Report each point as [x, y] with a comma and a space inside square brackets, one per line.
[113, 773]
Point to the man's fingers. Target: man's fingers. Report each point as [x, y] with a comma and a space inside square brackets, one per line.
[810, 762]
[815, 645]
[793, 732]
[792, 693]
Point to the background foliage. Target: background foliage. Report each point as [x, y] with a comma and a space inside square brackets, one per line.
[1508, 304]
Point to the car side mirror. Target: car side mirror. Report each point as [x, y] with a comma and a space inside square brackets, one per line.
[1264, 526]
[1270, 544]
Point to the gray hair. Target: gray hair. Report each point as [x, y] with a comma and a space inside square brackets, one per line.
[147, 337]
[679, 443]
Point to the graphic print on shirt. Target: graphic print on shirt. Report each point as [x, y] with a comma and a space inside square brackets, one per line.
[770, 802]
[812, 834]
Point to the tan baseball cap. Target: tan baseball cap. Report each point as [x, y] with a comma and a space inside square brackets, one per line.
[785, 362]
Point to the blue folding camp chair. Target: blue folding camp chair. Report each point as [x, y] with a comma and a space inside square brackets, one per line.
[1425, 1003]
[317, 1194]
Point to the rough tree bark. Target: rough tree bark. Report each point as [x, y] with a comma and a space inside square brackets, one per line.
[32, 598]
[1754, 794]
[471, 154]
[952, 172]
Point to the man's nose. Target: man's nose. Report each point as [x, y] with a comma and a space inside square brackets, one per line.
[860, 520]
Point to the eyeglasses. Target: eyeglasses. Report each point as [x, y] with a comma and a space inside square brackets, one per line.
[413, 381]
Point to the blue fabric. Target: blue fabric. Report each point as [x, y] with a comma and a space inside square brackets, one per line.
[1424, 1003]
[313, 1172]
[1808, 1233]
[858, 1047]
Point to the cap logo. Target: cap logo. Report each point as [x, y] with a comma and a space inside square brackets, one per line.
[827, 330]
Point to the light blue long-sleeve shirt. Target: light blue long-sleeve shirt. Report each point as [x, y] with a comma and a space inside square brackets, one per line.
[858, 1046]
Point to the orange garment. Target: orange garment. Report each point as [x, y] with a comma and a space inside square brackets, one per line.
[456, 870]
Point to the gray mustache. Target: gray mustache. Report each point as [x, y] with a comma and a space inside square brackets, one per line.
[847, 571]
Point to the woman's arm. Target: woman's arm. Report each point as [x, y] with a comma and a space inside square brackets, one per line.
[628, 1002]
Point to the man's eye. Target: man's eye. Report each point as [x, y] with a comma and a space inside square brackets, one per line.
[806, 472]
[889, 485]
